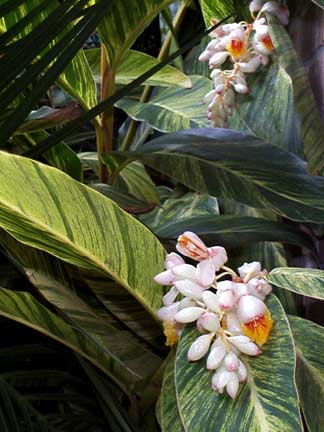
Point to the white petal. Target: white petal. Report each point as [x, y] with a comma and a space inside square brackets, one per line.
[220, 379]
[185, 271]
[242, 372]
[206, 272]
[259, 288]
[218, 59]
[244, 344]
[211, 301]
[186, 302]
[232, 323]
[250, 66]
[170, 296]
[172, 260]
[255, 5]
[215, 357]
[200, 347]
[231, 362]
[165, 278]
[241, 290]
[189, 289]
[167, 313]
[205, 55]
[241, 88]
[189, 314]
[280, 11]
[249, 308]
[232, 385]
[209, 321]
[225, 285]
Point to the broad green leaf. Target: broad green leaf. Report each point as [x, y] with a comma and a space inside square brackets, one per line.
[306, 281]
[269, 111]
[60, 156]
[134, 64]
[44, 208]
[170, 110]
[312, 129]
[309, 340]
[267, 401]
[192, 65]
[53, 282]
[220, 9]
[125, 22]
[238, 166]
[167, 408]
[24, 309]
[176, 209]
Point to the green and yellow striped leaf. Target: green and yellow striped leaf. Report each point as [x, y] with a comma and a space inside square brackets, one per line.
[220, 9]
[134, 64]
[167, 408]
[170, 110]
[268, 112]
[309, 341]
[44, 208]
[312, 128]
[306, 281]
[238, 166]
[125, 22]
[24, 309]
[267, 401]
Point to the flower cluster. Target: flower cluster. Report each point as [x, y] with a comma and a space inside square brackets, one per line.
[247, 46]
[230, 314]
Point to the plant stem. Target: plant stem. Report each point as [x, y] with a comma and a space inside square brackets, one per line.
[104, 131]
[164, 52]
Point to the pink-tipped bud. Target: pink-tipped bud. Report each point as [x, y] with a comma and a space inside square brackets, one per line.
[209, 321]
[172, 260]
[231, 362]
[245, 345]
[190, 245]
[218, 59]
[232, 386]
[167, 313]
[250, 308]
[211, 301]
[259, 288]
[189, 314]
[189, 289]
[241, 88]
[220, 379]
[215, 357]
[205, 55]
[242, 372]
[200, 347]
[165, 278]
[226, 300]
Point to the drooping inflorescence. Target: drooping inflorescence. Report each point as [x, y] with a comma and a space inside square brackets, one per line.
[247, 46]
[230, 314]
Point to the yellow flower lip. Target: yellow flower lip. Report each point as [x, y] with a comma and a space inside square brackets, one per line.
[236, 48]
[258, 329]
[170, 333]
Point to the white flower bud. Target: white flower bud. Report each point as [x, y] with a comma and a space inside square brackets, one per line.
[200, 347]
[241, 290]
[215, 357]
[218, 254]
[250, 308]
[218, 59]
[170, 296]
[209, 321]
[232, 385]
[231, 362]
[205, 55]
[186, 303]
[280, 11]
[220, 379]
[255, 5]
[216, 74]
[225, 300]
[251, 66]
[245, 345]
[206, 272]
[211, 301]
[167, 313]
[165, 278]
[172, 260]
[189, 314]
[249, 270]
[241, 88]
[189, 289]
[242, 372]
[225, 285]
[184, 271]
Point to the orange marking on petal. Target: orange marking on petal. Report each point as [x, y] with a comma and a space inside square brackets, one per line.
[236, 47]
[194, 249]
[267, 42]
[259, 328]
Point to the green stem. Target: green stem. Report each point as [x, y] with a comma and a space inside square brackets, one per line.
[164, 52]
